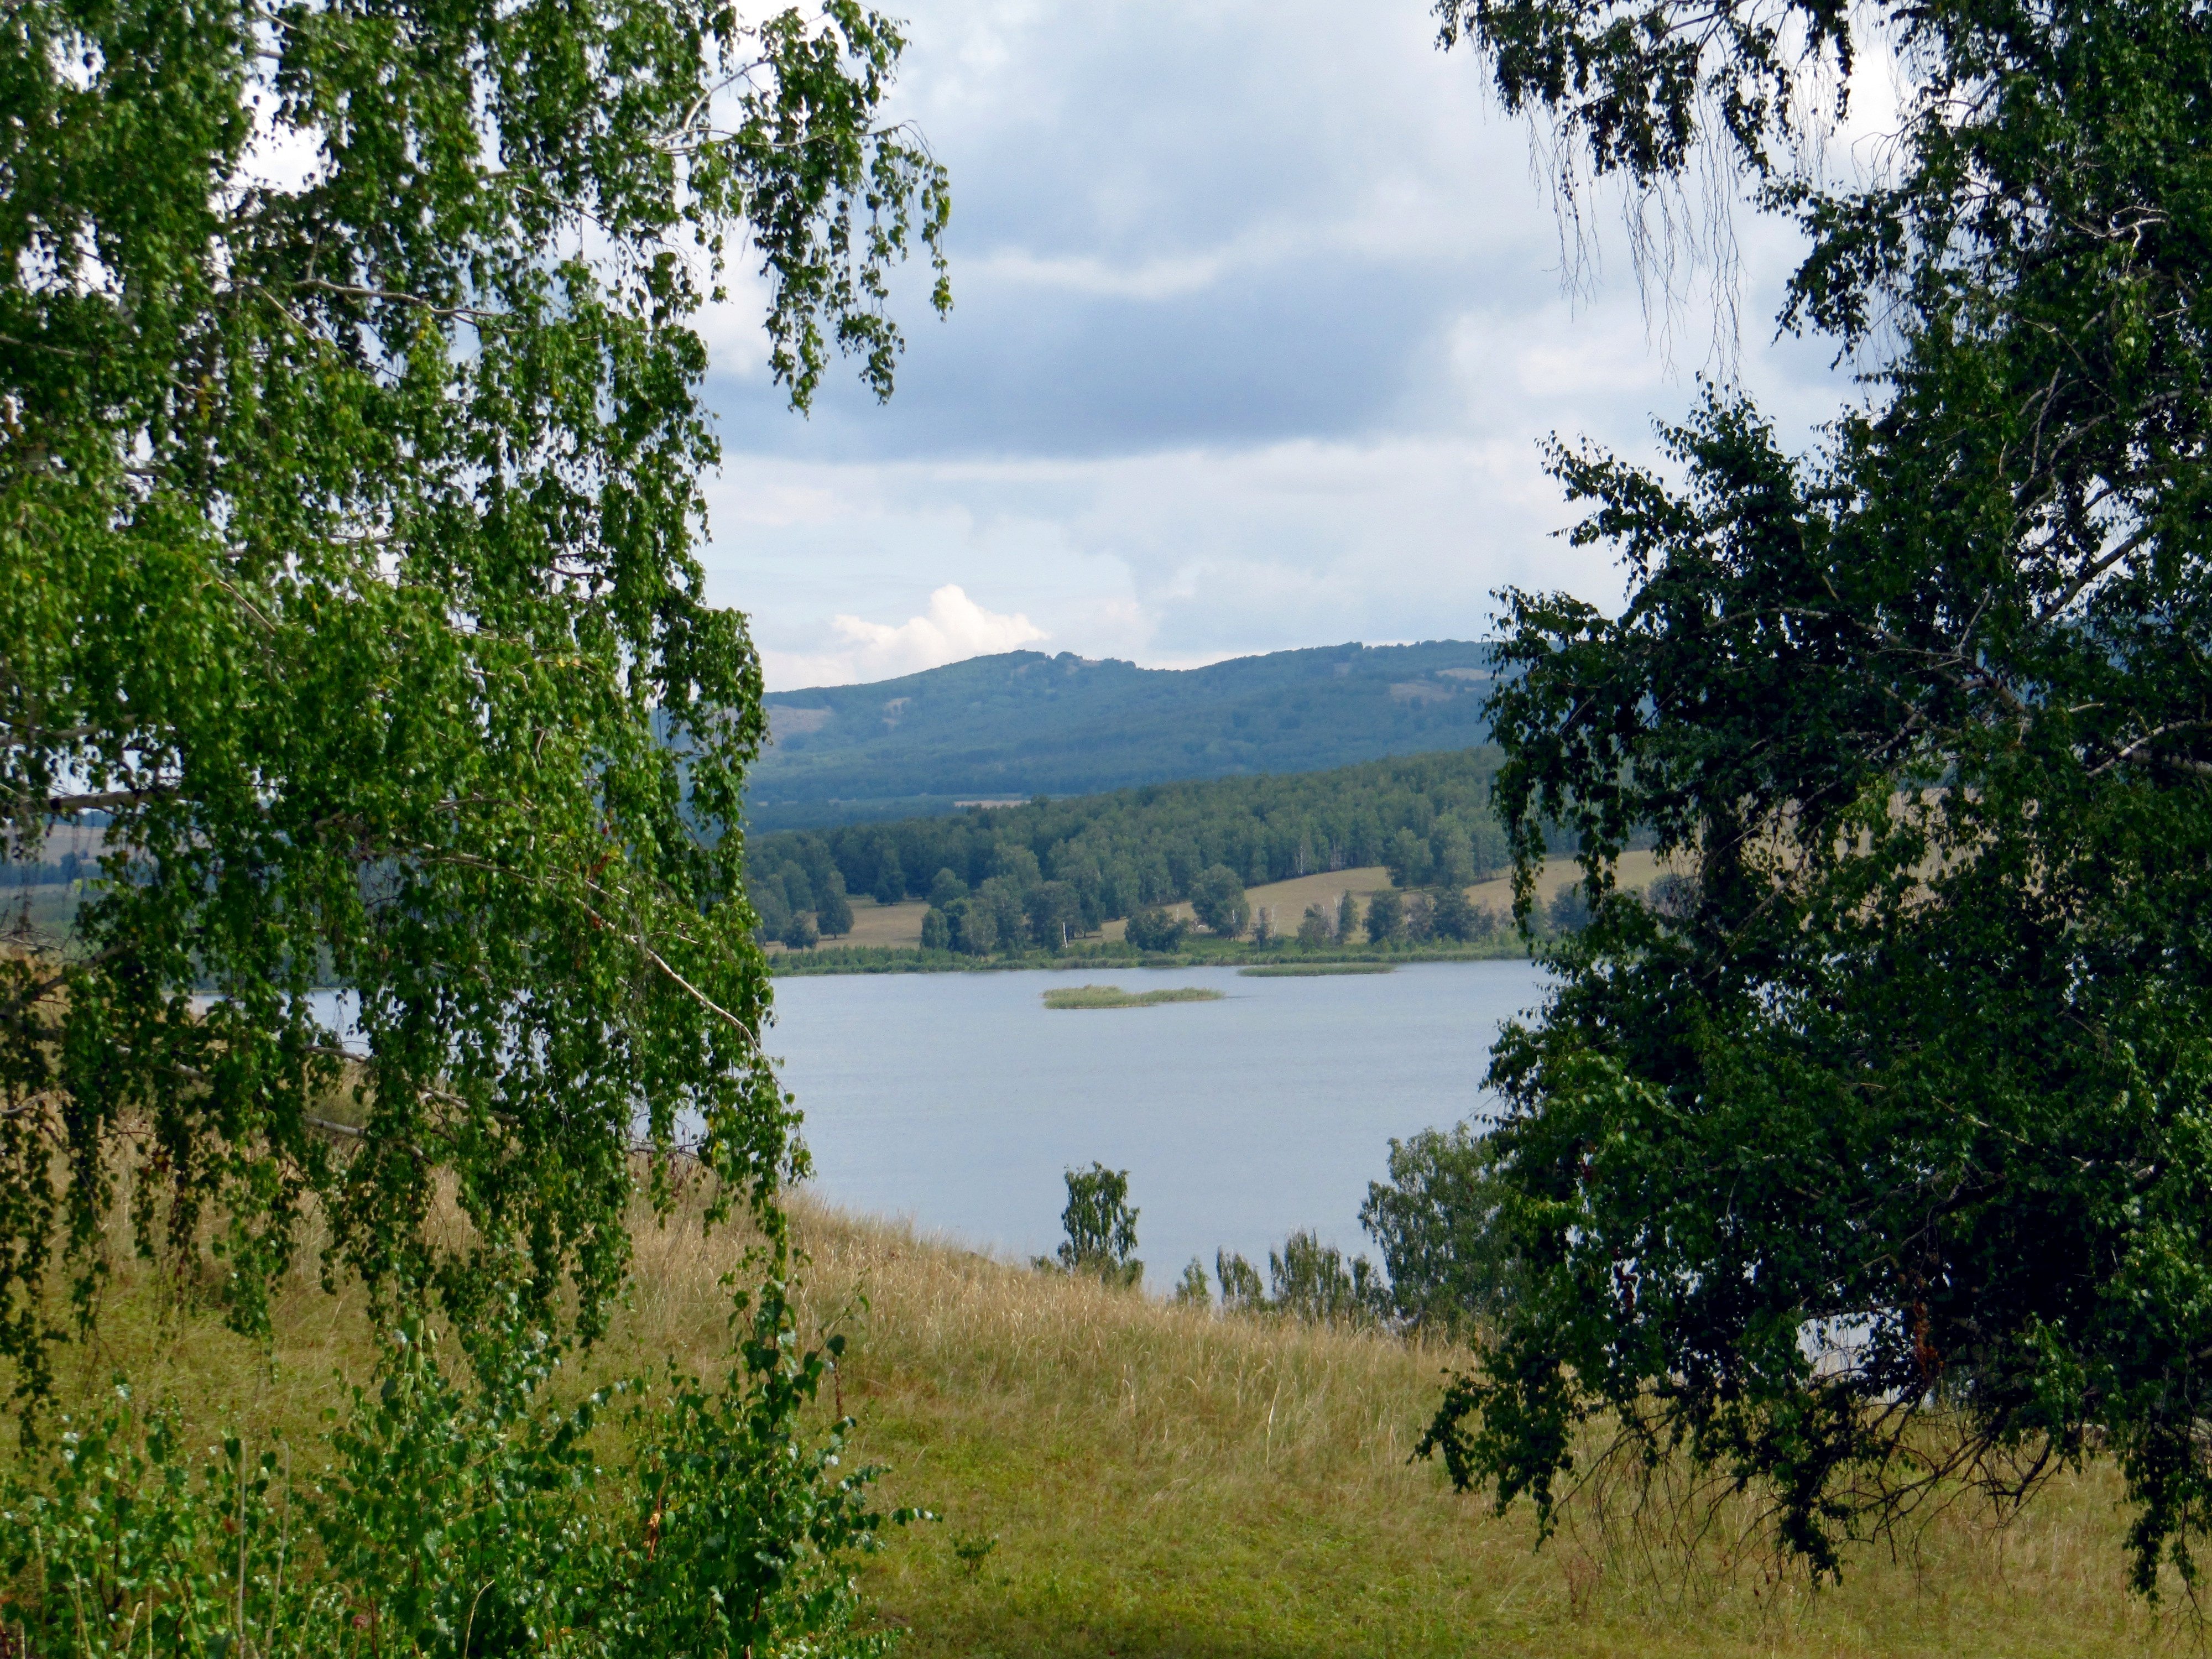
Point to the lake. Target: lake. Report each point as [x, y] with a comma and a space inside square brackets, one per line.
[958, 1099]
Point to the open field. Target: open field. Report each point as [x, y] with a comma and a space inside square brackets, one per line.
[1150, 1482]
[880, 924]
[1285, 902]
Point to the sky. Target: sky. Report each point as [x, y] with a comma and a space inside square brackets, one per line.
[1260, 319]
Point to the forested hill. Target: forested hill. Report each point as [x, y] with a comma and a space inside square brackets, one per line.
[1428, 817]
[1023, 724]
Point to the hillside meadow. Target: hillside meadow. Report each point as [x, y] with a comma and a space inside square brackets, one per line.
[1119, 1477]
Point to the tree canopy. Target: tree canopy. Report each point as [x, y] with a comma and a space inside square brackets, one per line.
[1428, 815]
[1871, 1160]
[348, 491]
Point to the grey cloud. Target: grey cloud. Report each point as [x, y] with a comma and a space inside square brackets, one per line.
[1182, 225]
[1258, 327]
[1330, 348]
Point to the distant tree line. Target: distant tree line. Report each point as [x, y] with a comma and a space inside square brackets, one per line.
[1049, 870]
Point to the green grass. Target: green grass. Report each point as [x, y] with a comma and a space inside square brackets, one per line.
[1312, 969]
[1113, 996]
[1157, 1482]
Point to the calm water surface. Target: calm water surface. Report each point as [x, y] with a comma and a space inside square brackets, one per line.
[958, 1099]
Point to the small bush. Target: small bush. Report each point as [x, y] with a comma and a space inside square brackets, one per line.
[1436, 1221]
[1312, 1281]
[1100, 1226]
[462, 1514]
[1241, 1290]
[1191, 1291]
[1152, 928]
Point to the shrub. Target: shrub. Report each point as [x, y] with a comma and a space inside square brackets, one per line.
[1152, 928]
[464, 1514]
[1191, 1291]
[1386, 918]
[1241, 1290]
[1101, 1227]
[1217, 898]
[1436, 1223]
[1312, 1281]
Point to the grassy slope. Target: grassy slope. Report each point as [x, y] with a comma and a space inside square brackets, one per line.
[1165, 1483]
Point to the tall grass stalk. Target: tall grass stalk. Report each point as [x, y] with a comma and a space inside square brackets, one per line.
[1154, 1480]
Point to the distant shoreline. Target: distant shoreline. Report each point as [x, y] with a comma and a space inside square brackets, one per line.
[907, 959]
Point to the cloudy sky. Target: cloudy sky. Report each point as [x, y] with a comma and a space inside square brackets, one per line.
[1258, 325]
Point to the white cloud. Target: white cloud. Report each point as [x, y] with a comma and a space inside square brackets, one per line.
[1260, 327]
[954, 629]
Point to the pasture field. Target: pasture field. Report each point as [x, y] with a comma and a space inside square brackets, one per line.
[1117, 1476]
[1286, 901]
[880, 924]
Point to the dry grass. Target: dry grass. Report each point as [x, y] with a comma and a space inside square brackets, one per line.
[1163, 1482]
[1285, 902]
[877, 924]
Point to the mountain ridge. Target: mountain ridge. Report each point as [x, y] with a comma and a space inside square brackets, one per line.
[1022, 723]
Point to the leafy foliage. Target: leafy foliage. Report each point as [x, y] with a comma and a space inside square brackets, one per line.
[1122, 852]
[1217, 899]
[1869, 1160]
[1436, 1221]
[1152, 928]
[1240, 1289]
[1309, 1280]
[465, 1517]
[1102, 1226]
[346, 562]
[1192, 1290]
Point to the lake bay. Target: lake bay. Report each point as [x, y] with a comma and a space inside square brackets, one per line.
[958, 1099]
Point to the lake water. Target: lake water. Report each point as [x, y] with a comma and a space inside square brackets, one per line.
[958, 1099]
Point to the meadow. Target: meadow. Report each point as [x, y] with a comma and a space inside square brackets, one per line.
[1118, 1476]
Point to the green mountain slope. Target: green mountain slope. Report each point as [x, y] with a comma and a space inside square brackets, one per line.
[1023, 724]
